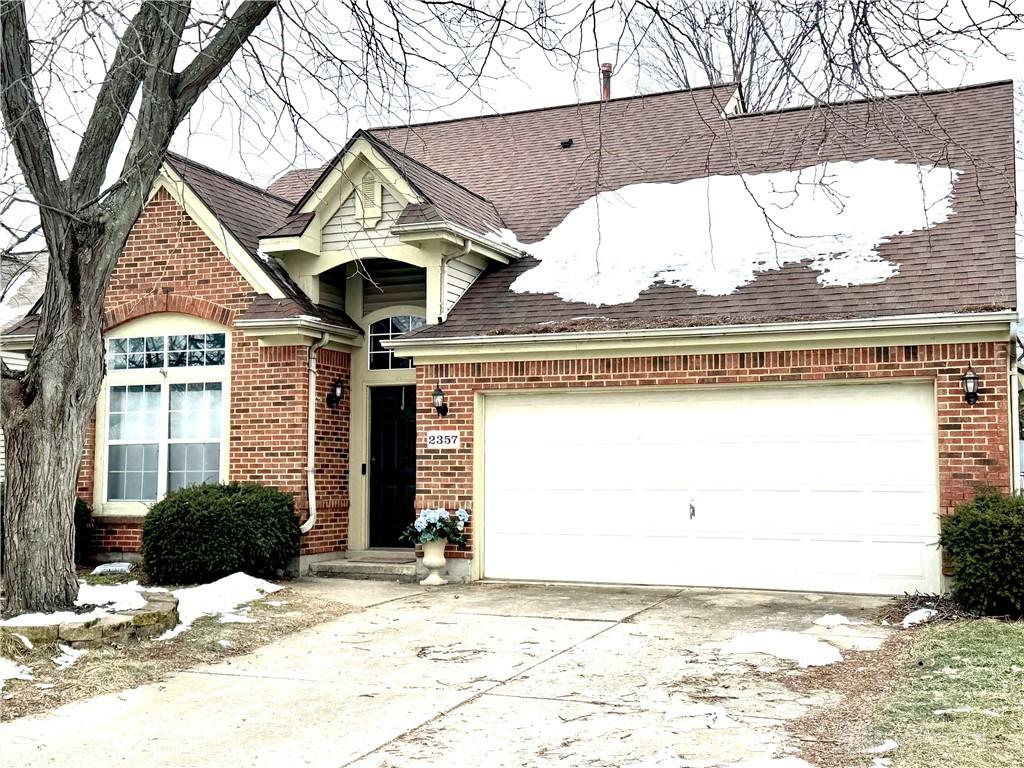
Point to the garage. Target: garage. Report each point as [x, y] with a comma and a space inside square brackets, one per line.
[827, 488]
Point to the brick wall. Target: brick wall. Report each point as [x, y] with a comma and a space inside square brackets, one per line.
[169, 265]
[973, 441]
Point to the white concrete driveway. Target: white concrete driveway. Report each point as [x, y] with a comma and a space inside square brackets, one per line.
[484, 674]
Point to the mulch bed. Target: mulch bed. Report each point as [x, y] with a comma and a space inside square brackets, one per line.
[835, 736]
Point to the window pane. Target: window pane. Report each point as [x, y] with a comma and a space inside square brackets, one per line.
[175, 480]
[154, 359]
[385, 330]
[380, 361]
[195, 410]
[212, 458]
[133, 485]
[115, 461]
[136, 344]
[196, 358]
[175, 359]
[154, 343]
[117, 398]
[196, 341]
[119, 345]
[136, 360]
[115, 485]
[216, 357]
[215, 341]
[177, 342]
[401, 362]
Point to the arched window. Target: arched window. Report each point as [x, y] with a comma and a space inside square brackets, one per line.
[384, 330]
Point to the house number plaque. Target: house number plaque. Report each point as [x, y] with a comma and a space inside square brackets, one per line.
[443, 439]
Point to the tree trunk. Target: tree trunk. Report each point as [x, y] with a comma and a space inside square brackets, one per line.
[44, 442]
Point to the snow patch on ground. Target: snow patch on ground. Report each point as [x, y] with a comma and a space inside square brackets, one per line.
[919, 616]
[805, 650]
[68, 656]
[222, 596]
[889, 745]
[11, 670]
[236, 618]
[835, 620]
[716, 234]
[108, 599]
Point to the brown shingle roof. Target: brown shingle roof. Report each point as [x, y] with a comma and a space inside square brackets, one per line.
[295, 183]
[516, 161]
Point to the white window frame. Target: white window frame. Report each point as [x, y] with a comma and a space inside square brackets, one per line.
[167, 324]
[391, 356]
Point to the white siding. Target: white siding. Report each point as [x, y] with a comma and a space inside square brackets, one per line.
[18, 362]
[344, 232]
[458, 276]
[389, 283]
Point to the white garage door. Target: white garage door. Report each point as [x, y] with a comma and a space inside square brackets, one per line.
[826, 488]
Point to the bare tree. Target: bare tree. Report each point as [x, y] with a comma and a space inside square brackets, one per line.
[158, 58]
[783, 52]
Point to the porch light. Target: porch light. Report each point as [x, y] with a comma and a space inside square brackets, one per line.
[334, 394]
[437, 397]
[971, 382]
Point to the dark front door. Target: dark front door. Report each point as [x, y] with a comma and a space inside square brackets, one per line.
[392, 463]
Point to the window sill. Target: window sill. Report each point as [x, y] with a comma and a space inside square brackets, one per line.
[122, 509]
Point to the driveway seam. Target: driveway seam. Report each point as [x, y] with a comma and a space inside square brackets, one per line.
[612, 623]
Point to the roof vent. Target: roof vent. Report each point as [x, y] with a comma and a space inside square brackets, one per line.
[566, 143]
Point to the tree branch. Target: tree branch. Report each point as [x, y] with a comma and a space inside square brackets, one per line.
[209, 62]
[23, 119]
[113, 103]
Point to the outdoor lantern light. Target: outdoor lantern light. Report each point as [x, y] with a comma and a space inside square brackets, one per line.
[438, 399]
[334, 394]
[971, 382]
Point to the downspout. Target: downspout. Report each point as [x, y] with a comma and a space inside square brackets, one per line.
[307, 526]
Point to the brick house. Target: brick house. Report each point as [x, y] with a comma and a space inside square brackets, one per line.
[676, 343]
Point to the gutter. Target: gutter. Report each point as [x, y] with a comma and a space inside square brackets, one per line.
[303, 322]
[456, 229]
[307, 526]
[705, 331]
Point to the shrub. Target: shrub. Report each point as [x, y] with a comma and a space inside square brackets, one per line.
[83, 529]
[205, 532]
[985, 542]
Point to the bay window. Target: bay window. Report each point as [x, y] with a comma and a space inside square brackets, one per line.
[165, 415]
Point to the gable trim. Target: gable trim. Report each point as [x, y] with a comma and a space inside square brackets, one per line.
[216, 231]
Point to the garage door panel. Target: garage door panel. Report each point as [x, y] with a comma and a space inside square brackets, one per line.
[830, 488]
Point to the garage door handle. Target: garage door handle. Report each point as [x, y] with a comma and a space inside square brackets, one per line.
[693, 510]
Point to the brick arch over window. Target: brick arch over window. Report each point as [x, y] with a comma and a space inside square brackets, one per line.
[167, 302]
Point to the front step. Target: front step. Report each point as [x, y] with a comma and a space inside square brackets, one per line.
[383, 565]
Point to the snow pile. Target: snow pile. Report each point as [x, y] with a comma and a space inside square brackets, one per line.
[10, 670]
[716, 234]
[831, 620]
[805, 650]
[112, 568]
[68, 656]
[919, 616]
[108, 599]
[219, 597]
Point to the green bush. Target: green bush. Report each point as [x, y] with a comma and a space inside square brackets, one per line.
[984, 539]
[83, 529]
[205, 532]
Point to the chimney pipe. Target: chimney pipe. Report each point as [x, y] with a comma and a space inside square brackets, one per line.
[606, 82]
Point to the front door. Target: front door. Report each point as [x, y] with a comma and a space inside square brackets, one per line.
[392, 463]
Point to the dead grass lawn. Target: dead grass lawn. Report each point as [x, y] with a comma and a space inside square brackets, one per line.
[118, 667]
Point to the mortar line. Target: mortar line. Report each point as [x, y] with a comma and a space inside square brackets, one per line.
[479, 694]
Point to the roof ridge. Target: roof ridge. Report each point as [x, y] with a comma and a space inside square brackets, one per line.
[434, 171]
[873, 99]
[575, 105]
[223, 175]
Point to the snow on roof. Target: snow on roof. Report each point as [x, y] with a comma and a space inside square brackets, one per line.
[717, 233]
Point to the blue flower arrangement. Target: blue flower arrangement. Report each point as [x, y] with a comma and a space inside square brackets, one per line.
[437, 524]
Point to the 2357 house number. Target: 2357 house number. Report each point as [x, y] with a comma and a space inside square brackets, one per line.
[445, 440]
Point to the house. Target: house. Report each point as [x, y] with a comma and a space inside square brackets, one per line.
[651, 340]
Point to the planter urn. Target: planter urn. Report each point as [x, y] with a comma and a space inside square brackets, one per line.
[433, 559]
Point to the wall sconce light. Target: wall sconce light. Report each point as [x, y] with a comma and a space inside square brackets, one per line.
[971, 382]
[334, 394]
[437, 397]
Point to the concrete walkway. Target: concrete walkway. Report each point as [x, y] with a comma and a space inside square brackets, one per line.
[484, 674]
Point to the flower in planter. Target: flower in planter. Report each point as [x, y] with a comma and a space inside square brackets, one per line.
[437, 524]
